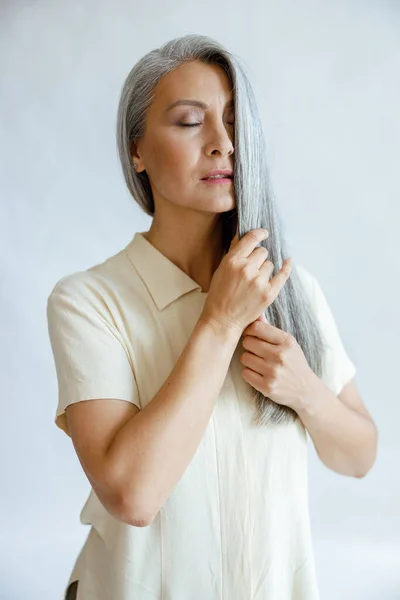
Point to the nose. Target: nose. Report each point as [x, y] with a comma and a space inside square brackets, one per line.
[221, 142]
[223, 151]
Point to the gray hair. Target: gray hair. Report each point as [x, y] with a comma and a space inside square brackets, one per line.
[255, 207]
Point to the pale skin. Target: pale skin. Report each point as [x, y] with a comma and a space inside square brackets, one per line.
[184, 228]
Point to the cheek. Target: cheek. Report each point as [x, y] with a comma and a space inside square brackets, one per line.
[174, 163]
[180, 157]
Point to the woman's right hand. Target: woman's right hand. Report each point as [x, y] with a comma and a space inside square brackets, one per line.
[241, 288]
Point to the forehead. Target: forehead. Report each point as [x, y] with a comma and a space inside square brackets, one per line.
[207, 83]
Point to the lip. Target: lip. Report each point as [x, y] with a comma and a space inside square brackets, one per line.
[217, 180]
[227, 172]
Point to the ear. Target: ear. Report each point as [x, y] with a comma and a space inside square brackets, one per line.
[132, 149]
[135, 158]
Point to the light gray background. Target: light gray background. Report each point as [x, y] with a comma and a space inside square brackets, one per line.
[327, 79]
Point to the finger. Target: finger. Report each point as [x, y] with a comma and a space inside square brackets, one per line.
[245, 246]
[263, 318]
[266, 332]
[278, 281]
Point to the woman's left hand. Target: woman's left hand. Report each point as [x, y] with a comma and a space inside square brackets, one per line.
[275, 363]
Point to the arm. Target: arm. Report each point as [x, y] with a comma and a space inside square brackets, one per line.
[339, 424]
[152, 449]
[342, 430]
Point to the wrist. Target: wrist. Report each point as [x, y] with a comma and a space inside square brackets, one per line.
[311, 394]
[229, 333]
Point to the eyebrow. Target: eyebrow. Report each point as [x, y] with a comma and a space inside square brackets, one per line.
[197, 103]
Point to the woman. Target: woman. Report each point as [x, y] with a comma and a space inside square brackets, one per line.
[198, 466]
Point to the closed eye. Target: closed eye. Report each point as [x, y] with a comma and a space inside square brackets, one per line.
[195, 124]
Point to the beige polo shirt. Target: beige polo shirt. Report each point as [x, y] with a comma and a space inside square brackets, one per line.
[236, 525]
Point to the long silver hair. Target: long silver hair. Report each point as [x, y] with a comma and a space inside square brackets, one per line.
[255, 206]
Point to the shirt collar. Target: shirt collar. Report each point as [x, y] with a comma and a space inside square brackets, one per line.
[164, 280]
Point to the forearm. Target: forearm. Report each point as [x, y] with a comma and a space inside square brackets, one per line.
[153, 449]
[345, 440]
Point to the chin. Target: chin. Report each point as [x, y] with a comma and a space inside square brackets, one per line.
[218, 206]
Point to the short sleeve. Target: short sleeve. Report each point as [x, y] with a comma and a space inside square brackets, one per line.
[90, 357]
[339, 369]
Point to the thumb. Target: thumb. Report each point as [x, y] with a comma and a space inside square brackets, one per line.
[262, 317]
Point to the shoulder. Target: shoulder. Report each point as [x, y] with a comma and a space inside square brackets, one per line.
[93, 285]
[80, 300]
[79, 287]
[107, 295]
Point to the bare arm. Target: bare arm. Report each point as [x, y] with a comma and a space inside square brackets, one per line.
[151, 451]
